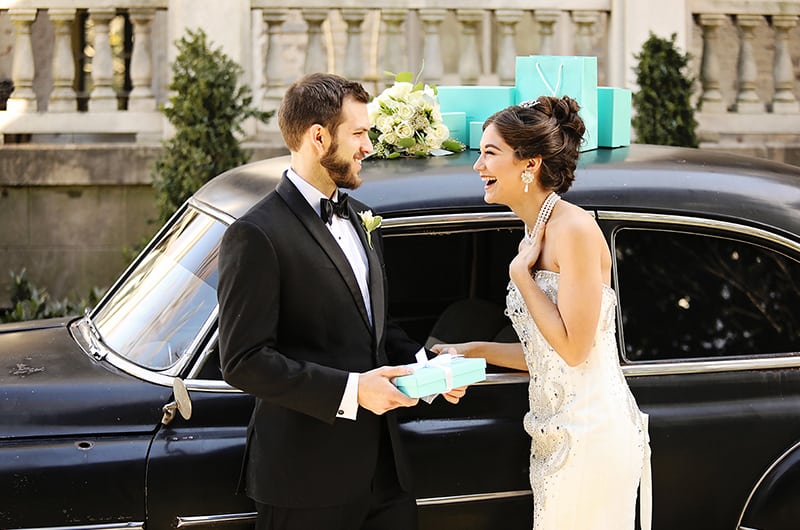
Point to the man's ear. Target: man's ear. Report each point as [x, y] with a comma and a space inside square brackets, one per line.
[318, 137]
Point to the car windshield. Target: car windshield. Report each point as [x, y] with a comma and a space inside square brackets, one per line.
[155, 315]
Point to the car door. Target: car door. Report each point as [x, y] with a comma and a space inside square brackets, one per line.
[710, 339]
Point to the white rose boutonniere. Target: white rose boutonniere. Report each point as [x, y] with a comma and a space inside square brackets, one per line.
[370, 222]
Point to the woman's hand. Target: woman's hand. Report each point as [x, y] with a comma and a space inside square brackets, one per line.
[527, 255]
[462, 349]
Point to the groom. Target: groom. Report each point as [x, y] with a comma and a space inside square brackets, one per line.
[302, 327]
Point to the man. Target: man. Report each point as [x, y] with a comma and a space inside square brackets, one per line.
[303, 329]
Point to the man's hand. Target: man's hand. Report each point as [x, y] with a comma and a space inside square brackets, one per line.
[376, 392]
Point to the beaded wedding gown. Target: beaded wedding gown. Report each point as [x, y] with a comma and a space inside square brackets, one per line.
[590, 447]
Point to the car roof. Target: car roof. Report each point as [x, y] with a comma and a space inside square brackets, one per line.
[636, 178]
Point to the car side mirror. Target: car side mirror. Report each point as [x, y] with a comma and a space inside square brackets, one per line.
[182, 403]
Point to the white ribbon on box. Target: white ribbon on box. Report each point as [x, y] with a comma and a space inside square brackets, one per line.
[441, 362]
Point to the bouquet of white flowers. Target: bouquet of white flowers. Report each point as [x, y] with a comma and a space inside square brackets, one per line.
[406, 121]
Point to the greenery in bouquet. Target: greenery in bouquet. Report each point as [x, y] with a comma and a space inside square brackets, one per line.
[406, 120]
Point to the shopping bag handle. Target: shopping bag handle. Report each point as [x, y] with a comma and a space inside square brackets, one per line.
[553, 92]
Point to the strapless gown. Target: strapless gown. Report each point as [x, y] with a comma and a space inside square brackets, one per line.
[589, 441]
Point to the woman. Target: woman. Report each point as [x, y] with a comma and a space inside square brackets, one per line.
[589, 439]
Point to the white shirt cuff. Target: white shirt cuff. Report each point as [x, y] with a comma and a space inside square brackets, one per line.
[348, 408]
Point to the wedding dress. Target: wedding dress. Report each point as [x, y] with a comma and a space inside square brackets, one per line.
[590, 447]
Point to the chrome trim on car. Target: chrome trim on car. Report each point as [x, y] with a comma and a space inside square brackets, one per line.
[699, 223]
[209, 210]
[218, 520]
[109, 526]
[213, 521]
[692, 366]
[760, 481]
[475, 497]
[447, 219]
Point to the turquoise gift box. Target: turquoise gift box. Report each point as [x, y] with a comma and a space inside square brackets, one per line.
[477, 103]
[430, 379]
[456, 123]
[613, 116]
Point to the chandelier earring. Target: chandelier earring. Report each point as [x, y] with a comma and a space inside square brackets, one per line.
[527, 178]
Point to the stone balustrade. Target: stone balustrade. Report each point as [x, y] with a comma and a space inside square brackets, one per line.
[745, 56]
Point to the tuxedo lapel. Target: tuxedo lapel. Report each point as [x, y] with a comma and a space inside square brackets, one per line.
[306, 214]
[376, 293]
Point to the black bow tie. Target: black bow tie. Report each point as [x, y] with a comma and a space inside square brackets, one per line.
[329, 208]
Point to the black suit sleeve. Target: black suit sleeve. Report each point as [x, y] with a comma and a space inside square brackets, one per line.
[249, 308]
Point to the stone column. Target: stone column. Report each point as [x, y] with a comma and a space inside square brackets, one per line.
[586, 21]
[546, 19]
[273, 67]
[432, 44]
[711, 100]
[62, 99]
[141, 97]
[747, 100]
[469, 64]
[315, 50]
[103, 97]
[507, 19]
[354, 56]
[783, 99]
[23, 99]
[395, 58]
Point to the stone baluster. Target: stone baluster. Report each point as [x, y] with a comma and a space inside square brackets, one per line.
[747, 100]
[63, 99]
[469, 64]
[546, 19]
[23, 99]
[354, 54]
[141, 97]
[507, 20]
[273, 66]
[316, 56]
[711, 99]
[103, 97]
[395, 58]
[783, 99]
[586, 21]
[432, 44]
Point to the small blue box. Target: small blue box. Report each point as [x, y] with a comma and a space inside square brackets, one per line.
[430, 380]
[456, 122]
[478, 102]
[475, 133]
[613, 116]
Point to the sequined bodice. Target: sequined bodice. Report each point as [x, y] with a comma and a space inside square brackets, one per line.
[564, 399]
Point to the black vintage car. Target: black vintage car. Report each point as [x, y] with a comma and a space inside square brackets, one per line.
[707, 274]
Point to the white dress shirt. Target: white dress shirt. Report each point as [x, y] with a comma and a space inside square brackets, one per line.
[345, 235]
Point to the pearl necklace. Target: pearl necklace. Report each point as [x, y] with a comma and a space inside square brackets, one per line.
[544, 214]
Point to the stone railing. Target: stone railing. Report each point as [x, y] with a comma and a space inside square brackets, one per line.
[745, 54]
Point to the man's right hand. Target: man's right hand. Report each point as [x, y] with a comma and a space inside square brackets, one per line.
[376, 392]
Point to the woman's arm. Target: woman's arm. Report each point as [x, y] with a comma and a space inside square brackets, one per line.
[507, 355]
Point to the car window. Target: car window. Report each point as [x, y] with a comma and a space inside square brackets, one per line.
[153, 317]
[697, 295]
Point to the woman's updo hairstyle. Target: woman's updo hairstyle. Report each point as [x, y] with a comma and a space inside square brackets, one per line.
[547, 126]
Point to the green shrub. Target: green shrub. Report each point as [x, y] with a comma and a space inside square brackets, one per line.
[29, 302]
[664, 113]
[207, 110]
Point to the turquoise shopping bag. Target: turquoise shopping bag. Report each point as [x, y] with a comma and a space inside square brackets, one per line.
[559, 75]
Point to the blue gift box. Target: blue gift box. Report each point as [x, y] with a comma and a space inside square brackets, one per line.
[475, 133]
[613, 116]
[456, 122]
[429, 380]
[477, 102]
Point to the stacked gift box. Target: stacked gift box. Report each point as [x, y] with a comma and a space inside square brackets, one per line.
[606, 111]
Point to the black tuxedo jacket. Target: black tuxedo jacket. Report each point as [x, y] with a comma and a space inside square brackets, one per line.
[292, 325]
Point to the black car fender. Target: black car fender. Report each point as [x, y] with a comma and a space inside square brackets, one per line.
[773, 502]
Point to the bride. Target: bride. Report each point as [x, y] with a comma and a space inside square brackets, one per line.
[589, 448]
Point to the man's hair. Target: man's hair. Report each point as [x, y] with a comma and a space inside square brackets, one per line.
[315, 99]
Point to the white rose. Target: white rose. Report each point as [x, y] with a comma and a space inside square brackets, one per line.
[404, 130]
[399, 90]
[384, 123]
[405, 112]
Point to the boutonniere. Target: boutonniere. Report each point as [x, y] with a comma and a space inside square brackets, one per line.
[370, 222]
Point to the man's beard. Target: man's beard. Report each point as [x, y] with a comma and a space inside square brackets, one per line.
[340, 170]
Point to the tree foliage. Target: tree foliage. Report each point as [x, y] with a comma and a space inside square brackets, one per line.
[664, 113]
[207, 109]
